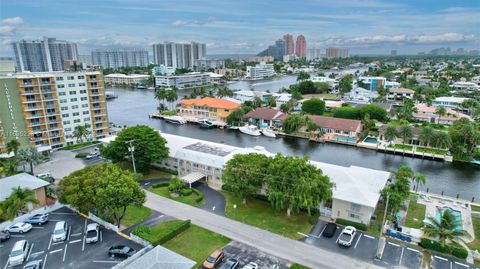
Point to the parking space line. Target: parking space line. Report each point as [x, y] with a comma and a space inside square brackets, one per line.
[83, 245]
[75, 241]
[101, 236]
[401, 257]
[368, 236]
[451, 265]
[76, 234]
[69, 231]
[6, 264]
[37, 227]
[16, 235]
[324, 227]
[55, 251]
[30, 251]
[461, 264]
[85, 226]
[302, 234]
[440, 258]
[45, 260]
[393, 244]
[107, 261]
[338, 238]
[414, 250]
[358, 240]
[65, 252]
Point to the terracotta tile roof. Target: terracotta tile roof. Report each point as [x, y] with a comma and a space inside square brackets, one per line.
[265, 114]
[336, 123]
[211, 102]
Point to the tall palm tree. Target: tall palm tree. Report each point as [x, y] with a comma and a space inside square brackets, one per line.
[171, 96]
[80, 132]
[442, 140]
[390, 134]
[19, 200]
[13, 146]
[426, 135]
[31, 156]
[405, 132]
[445, 229]
[160, 95]
[419, 179]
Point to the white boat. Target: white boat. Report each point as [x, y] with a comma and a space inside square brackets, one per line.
[250, 130]
[175, 120]
[205, 123]
[268, 133]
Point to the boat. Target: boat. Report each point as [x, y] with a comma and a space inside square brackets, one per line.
[110, 95]
[205, 123]
[141, 87]
[232, 127]
[175, 120]
[250, 130]
[268, 133]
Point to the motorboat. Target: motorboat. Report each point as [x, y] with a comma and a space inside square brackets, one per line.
[205, 123]
[250, 130]
[175, 120]
[268, 133]
[110, 95]
[232, 127]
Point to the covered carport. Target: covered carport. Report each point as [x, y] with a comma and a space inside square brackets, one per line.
[192, 178]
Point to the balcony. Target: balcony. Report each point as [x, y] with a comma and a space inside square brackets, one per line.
[40, 130]
[33, 108]
[26, 92]
[38, 123]
[34, 116]
[50, 82]
[48, 90]
[48, 98]
[31, 100]
[37, 139]
[52, 113]
[98, 107]
[51, 106]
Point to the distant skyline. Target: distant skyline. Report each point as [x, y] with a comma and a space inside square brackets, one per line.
[246, 27]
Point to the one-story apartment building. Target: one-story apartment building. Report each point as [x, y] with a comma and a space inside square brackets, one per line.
[355, 195]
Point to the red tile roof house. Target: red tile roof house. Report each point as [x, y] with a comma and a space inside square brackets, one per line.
[265, 117]
[429, 114]
[338, 129]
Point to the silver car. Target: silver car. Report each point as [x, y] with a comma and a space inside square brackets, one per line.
[93, 231]
[347, 236]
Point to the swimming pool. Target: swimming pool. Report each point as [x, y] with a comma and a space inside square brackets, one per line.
[345, 138]
[456, 214]
[372, 140]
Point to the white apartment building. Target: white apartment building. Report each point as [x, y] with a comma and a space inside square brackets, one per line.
[449, 102]
[333, 83]
[465, 86]
[398, 94]
[260, 71]
[178, 55]
[183, 81]
[163, 70]
[122, 79]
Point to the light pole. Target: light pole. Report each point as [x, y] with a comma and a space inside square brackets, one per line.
[131, 149]
[381, 239]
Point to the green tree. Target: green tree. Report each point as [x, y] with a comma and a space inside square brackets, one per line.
[161, 95]
[13, 146]
[405, 132]
[398, 191]
[441, 111]
[150, 147]
[303, 75]
[271, 102]
[376, 112]
[464, 135]
[18, 202]
[426, 135]
[419, 179]
[30, 156]
[257, 102]
[235, 116]
[441, 140]
[104, 188]
[244, 174]
[176, 185]
[313, 106]
[406, 111]
[448, 228]
[294, 184]
[346, 112]
[345, 84]
[80, 132]
[390, 134]
[171, 96]
[293, 122]
[284, 108]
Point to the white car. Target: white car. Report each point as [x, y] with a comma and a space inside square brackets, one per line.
[19, 253]
[251, 265]
[92, 233]
[20, 227]
[347, 236]
[92, 155]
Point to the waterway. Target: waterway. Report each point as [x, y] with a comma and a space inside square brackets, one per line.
[132, 107]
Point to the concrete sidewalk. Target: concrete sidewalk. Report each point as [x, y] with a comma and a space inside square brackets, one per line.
[268, 242]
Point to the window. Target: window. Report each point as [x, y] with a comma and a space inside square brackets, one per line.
[66, 122]
[81, 84]
[355, 207]
[84, 105]
[84, 99]
[64, 108]
[71, 85]
[75, 107]
[63, 101]
[60, 86]
[76, 114]
[70, 77]
[86, 112]
[354, 216]
[65, 115]
[68, 129]
[83, 91]
[72, 92]
[61, 94]
[81, 77]
[86, 119]
[59, 78]
[76, 121]
[73, 99]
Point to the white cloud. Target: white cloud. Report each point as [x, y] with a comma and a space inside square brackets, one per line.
[13, 21]
[6, 29]
[208, 20]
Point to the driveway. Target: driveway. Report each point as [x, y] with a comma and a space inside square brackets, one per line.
[62, 163]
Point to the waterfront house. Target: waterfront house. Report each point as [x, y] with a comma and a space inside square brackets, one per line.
[397, 95]
[429, 114]
[265, 117]
[361, 95]
[24, 181]
[354, 197]
[345, 130]
[449, 102]
[282, 98]
[214, 109]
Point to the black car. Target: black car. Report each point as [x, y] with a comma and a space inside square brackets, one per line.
[121, 251]
[330, 229]
[4, 236]
[231, 263]
[37, 219]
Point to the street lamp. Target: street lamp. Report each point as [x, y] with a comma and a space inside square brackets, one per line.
[131, 149]
[381, 239]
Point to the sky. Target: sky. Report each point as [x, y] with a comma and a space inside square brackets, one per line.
[246, 26]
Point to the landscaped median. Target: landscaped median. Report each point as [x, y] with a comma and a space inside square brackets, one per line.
[188, 196]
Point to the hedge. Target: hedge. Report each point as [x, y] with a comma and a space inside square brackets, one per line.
[163, 232]
[359, 226]
[433, 245]
[186, 192]
[81, 155]
[199, 194]
[460, 253]
[160, 184]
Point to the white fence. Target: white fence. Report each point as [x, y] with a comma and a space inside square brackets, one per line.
[104, 223]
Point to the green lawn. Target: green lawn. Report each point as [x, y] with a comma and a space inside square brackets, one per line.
[476, 227]
[161, 230]
[475, 208]
[81, 145]
[375, 225]
[403, 147]
[431, 151]
[298, 266]
[260, 214]
[196, 243]
[415, 215]
[135, 214]
[321, 95]
[190, 200]
[156, 173]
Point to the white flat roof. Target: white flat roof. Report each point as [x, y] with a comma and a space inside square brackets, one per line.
[352, 184]
[451, 99]
[126, 76]
[22, 180]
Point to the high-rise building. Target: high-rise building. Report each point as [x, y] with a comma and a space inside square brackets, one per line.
[43, 109]
[179, 55]
[276, 51]
[86, 59]
[290, 45]
[313, 54]
[301, 47]
[337, 53]
[115, 58]
[44, 55]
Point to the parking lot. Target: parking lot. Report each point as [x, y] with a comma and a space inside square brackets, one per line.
[245, 254]
[71, 253]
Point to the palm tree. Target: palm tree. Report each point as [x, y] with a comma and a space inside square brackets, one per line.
[13, 146]
[441, 111]
[445, 229]
[31, 156]
[160, 95]
[405, 132]
[80, 132]
[171, 96]
[426, 135]
[420, 179]
[390, 134]
[20, 198]
[442, 140]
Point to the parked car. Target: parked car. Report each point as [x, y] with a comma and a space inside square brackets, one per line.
[4, 236]
[92, 233]
[60, 231]
[47, 177]
[231, 263]
[330, 229]
[121, 251]
[214, 259]
[347, 236]
[92, 155]
[37, 219]
[19, 253]
[37, 264]
[19, 227]
[251, 265]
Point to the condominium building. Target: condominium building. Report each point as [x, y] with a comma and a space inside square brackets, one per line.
[276, 51]
[115, 58]
[86, 59]
[313, 54]
[290, 44]
[301, 47]
[337, 53]
[163, 70]
[260, 71]
[44, 55]
[43, 109]
[183, 81]
[7, 65]
[122, 79]
[205, 64]
[179, 55]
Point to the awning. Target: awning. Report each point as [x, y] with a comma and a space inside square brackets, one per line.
[192, 177]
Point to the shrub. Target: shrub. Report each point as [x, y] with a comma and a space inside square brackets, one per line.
[429, 244]
[138, 177]
[346, 113]
[163, 233]
[227, 187]
[313, 106]
[142, 231]
[176, 185]
[185, 192]
[81, 155]
[359, 226]
[460, 253]
[199, 194]
[160, 184]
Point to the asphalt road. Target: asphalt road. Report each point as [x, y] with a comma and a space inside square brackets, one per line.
[276, 245]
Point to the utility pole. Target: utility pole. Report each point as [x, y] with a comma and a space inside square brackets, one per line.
[381, 239]
[131, 149]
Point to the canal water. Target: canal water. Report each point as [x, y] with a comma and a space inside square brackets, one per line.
[132, 107]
